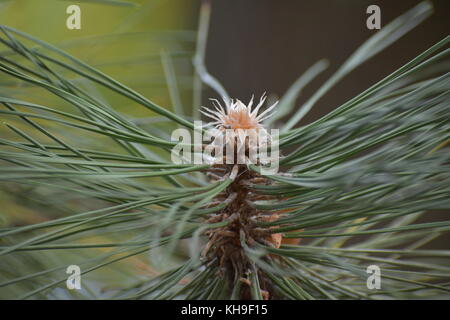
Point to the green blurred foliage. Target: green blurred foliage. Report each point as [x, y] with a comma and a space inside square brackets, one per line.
[125, 42]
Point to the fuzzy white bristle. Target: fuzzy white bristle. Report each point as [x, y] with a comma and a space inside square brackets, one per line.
[237, 115]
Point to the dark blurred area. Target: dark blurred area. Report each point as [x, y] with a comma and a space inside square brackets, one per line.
[265, 45]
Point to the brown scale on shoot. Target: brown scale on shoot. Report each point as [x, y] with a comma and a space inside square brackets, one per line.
[225, 243]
